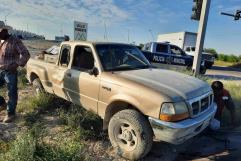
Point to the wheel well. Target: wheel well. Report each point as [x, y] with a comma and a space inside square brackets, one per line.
[115, 107]
[33, 76]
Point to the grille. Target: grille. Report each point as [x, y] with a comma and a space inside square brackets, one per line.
[204, 103]
[201, 104]
[195, 108]
[207, 57]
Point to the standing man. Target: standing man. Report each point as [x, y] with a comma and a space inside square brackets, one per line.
[12, 55]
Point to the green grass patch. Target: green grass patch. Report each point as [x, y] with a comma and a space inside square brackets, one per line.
[30, 147]
[87, 124]
[228, 64]
[22, 149]
[31, 103]
[4, 146]
[65, 151]
[22, 80]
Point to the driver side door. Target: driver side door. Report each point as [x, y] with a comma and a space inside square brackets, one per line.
[82, 88]
[178, 56]
[60, 71]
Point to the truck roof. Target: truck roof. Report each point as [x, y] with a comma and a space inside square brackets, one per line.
[92, 42]
[185, 32]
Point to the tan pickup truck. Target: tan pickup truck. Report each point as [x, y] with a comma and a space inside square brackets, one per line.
[137, 102]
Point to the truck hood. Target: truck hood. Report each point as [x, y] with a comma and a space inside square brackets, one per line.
[176, 86]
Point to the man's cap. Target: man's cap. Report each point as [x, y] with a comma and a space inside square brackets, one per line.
[4, 27]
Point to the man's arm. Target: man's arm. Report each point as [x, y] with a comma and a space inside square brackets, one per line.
[23, 51]
[228, 100]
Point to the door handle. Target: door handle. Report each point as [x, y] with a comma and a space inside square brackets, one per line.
[68, 74]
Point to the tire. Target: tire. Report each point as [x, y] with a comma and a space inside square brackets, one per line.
[38, 87]
[203, 70]
[130, 134]
[189, 68]
[209, 65]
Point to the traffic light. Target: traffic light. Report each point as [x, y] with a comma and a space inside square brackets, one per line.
[196, 9]
[237, 15]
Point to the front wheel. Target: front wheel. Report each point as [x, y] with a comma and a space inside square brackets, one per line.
[203, 70]
[131, 134]
[38, 87]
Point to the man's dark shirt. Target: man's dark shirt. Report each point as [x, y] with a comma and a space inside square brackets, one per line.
[12, 51]
[223, 100]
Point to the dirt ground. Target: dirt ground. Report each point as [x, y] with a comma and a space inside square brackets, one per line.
[219, 146]
[36, 46]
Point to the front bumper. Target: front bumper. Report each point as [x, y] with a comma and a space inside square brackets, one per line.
[179, 132]
[209, 64]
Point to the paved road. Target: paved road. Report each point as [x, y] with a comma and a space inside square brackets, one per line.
[225, 73]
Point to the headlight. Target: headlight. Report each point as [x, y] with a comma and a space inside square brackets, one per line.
[174, 111]
[168, 108]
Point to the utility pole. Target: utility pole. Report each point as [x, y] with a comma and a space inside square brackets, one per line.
[128, 36]
[201, 33]
[6, 18]
[105, 34]
[27, 28]
[150, 30]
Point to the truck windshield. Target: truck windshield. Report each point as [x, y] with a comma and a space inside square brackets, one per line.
[118, 57]
[194, 48]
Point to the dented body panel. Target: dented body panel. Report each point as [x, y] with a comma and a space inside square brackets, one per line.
[108, 92]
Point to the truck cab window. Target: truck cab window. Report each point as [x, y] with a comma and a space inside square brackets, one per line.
[83, 58]
[65, 56]
[147, 47]
[162, 48]
[176, 50]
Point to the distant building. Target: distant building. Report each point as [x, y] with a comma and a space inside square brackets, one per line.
[62, 38]
[23, 34]
[26, 35]
[59, 38]
[182, 39]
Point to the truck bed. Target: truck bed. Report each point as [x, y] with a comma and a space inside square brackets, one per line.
[47, 58]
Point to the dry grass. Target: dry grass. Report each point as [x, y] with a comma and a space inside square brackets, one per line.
[227, 64]
[238, 65]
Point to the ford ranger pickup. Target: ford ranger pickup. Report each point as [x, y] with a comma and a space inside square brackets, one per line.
[137, 102]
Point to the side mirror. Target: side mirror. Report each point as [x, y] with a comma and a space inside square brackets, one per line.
[94, 71]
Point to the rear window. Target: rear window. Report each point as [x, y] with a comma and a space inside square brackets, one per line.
[162, 48]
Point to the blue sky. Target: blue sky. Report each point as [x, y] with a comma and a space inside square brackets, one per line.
[120, 16]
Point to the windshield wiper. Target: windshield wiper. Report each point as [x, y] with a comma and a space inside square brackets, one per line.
[123, 68]
[145, 67]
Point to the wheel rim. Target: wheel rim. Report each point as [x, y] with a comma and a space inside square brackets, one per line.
[37, 90]
[126, 136]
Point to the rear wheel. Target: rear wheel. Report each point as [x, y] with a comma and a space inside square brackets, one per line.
[38, 87]
[203, 70]
[131, 134]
